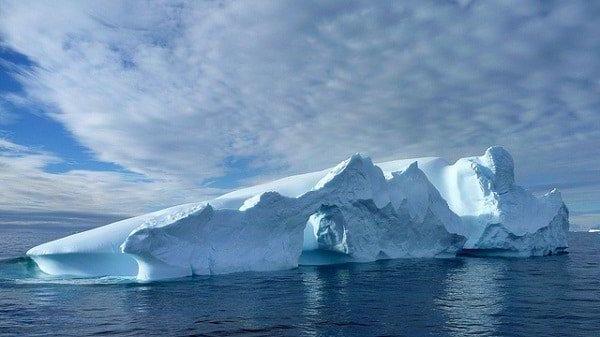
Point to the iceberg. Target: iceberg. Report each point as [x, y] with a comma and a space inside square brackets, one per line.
[357, 211]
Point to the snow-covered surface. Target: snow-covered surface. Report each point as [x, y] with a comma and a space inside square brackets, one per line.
[356, 211]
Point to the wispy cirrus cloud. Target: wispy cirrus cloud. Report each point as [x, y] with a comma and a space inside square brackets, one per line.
[183, 91]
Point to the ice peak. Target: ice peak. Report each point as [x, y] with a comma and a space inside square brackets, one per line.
[500, 162]
[554, 191]
[414, 173]
[268, 197]
[554, 196]
[358, 162]
[412, 168]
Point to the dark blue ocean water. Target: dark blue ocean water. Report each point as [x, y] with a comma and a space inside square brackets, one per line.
[550, 296]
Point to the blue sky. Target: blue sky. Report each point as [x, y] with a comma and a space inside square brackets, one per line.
[106, 112]
[29, 125]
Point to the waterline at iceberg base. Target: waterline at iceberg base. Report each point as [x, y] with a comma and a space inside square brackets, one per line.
[355, 212]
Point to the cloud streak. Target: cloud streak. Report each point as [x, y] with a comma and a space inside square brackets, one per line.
[176, 91]
[27, 187]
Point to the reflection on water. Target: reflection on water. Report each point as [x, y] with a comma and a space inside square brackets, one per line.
[474, 296]
[553, 296]
[313, 291]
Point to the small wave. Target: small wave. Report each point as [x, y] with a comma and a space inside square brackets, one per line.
[13, 260]
[106, 280]
[23, 270]
[252, 331]
[342, 324]
[17, 268]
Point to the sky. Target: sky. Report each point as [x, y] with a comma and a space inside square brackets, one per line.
[119, 108]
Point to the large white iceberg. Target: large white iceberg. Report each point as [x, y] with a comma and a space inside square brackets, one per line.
[356, 211]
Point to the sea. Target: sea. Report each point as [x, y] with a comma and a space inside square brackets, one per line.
[466, 296]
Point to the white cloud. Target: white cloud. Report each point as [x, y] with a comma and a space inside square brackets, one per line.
[174, 90]
[27, 187]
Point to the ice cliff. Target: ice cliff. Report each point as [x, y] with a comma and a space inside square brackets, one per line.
[356, 211]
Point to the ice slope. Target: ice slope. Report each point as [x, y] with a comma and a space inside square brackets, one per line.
[96, 252]
[354, 212]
